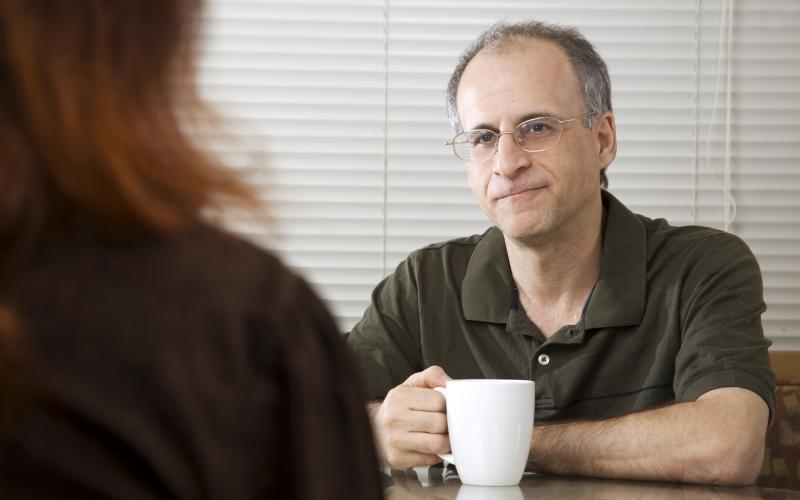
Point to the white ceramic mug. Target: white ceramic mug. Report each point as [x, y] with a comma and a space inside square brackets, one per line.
[490, 423]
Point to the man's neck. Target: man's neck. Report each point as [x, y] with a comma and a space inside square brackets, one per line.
[554, 279]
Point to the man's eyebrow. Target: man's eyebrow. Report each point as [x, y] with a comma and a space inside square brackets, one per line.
[535, 115]
[524, 118]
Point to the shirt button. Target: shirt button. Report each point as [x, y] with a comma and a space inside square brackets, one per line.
[544, 359]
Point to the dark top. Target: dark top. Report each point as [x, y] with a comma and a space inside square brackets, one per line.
[190, 366]
[675, 313]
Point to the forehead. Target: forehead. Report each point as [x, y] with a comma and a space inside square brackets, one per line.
[521, 79]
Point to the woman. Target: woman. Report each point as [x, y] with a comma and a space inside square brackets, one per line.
[146, 353]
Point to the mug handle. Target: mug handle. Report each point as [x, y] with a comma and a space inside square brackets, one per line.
[447, 457]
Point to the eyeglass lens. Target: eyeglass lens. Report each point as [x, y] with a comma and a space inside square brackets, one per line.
[533, 135]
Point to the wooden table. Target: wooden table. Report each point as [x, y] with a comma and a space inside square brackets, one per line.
[439, 483]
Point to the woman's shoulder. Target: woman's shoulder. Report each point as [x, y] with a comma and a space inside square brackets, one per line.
[203, 242]
[233, 265]
[202, 268]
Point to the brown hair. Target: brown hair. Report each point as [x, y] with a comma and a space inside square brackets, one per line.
[90, 132]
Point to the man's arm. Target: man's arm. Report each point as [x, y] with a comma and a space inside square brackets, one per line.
[715, 431]
[718, 439]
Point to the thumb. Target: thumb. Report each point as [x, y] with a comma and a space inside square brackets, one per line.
[433, 376]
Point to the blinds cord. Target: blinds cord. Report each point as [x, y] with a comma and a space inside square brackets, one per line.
[724, 53]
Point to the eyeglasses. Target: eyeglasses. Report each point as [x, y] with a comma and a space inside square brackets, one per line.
[534, 135]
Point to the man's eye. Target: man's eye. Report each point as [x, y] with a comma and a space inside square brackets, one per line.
[482, 138]
[535, 128]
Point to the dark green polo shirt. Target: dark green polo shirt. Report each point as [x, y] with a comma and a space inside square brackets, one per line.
[676, 312]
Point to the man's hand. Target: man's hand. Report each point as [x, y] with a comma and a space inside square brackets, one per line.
[410, 424]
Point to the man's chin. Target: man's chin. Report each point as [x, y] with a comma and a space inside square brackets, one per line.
[525, 233]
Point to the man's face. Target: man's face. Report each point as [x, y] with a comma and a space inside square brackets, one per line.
[530, 196]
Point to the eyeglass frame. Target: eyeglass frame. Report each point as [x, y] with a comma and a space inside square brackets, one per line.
[561, 129]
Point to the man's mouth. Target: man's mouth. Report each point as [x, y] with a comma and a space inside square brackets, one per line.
[520, 191]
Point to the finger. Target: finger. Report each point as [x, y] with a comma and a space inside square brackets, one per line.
[412, 408]
[431, 377]
[427, 421]
[426, 443]
[414, 421]
[417, 398]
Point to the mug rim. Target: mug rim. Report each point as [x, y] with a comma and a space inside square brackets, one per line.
[491, 381]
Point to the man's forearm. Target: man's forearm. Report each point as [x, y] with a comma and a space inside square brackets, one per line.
[716, 439]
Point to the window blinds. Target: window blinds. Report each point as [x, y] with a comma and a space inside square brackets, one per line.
[336, 109]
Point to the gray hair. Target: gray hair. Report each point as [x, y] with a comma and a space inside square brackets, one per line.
[590, 69]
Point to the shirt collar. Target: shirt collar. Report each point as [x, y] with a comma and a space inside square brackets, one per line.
[486, 292]
[619, 295]
[618, 298]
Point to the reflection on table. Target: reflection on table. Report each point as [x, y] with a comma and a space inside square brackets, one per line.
[438, 482]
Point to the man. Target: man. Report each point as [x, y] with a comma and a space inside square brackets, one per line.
[644, 339]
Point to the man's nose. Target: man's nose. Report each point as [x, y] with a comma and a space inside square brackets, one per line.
[510, 157]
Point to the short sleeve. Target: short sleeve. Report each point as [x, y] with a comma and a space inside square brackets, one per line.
[386, 341]
[723, 343]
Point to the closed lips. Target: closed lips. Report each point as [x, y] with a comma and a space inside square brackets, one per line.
[520, 191]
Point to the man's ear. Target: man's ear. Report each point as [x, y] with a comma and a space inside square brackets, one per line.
[605, 133]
